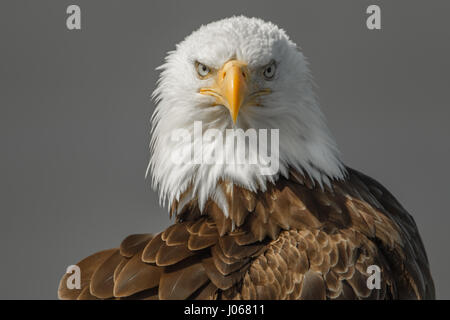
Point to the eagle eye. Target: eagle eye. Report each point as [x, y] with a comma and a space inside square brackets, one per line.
[202, 70]
[269, 70]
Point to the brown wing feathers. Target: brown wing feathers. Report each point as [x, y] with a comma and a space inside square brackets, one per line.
[294, 241]
[187, 260]
[88, 267]
[313, 265]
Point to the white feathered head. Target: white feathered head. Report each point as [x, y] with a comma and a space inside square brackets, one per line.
[236, 73]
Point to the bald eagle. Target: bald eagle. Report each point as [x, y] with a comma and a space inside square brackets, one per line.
[312, 229]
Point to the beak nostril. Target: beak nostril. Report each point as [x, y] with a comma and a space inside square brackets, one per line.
[224, 75]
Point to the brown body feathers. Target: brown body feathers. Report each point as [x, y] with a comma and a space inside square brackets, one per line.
[294, 241]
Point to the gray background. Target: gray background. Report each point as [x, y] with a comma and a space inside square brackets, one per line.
[75, 107]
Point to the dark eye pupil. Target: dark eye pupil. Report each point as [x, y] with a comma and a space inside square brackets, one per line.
[269, 70]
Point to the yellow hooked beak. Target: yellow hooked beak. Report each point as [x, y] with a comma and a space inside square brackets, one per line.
[231, 87]
[233, 80]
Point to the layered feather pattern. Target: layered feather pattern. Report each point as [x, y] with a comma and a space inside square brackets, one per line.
[293, 241]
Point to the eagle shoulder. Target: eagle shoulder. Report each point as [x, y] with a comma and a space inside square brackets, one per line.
[296, 240]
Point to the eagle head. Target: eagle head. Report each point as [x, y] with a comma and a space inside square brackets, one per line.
[235, 75]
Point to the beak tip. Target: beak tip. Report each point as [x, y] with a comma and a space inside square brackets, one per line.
[234, 116]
